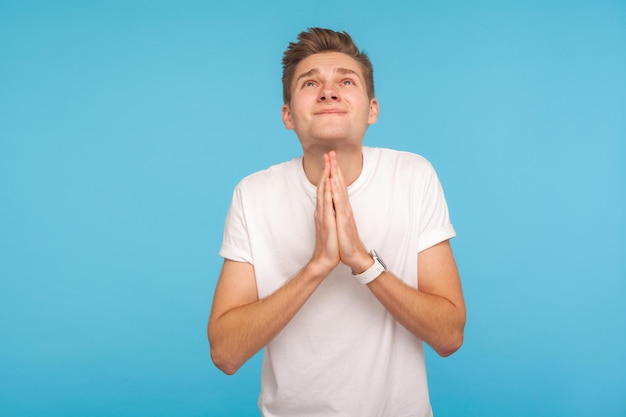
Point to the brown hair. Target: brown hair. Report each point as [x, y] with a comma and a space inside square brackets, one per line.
[316, 40]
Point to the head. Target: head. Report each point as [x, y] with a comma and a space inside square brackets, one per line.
[316, 40]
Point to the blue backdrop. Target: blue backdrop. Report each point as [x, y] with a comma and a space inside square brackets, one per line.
[125, 125]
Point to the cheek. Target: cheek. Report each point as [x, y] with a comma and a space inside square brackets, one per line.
[298, 110]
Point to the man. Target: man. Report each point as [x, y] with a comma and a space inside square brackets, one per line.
[303, 245]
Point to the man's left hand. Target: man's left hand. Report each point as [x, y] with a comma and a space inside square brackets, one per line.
[352, 252]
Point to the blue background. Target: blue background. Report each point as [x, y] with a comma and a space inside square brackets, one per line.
[125, 125]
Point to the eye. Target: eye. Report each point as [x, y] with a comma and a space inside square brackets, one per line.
[309, 84]
[347, 82]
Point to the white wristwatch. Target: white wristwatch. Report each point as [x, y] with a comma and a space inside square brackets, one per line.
[373, 271]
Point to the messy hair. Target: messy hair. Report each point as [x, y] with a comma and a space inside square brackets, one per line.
[316, 40]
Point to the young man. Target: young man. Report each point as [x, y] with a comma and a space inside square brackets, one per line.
[303, 274]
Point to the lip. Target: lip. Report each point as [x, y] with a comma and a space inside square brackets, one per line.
[330, 111]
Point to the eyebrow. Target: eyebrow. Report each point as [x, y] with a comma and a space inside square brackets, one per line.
[315, 71]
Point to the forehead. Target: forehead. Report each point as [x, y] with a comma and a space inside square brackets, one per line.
[328, 62]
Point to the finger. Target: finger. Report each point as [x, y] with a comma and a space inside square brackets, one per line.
[339, 190]
[321, 186]
[329, 206]
[332, 160]
[339, 175]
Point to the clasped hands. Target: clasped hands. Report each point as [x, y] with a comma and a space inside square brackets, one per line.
[337, 238]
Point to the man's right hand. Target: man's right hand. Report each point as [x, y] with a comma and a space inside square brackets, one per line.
[240, 323]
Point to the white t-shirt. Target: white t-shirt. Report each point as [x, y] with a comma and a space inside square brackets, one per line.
[342, 354]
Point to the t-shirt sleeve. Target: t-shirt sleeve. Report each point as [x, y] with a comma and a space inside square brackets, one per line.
[434, 225]
[236, 242]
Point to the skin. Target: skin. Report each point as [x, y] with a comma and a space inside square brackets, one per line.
[330, 112]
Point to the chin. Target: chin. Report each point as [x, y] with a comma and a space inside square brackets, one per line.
[333, 135]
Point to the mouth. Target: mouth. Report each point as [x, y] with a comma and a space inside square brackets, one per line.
[330, 111]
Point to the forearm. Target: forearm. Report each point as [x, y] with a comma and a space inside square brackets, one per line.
[240, 332]
[432, 318]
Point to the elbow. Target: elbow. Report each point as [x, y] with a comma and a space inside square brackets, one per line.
[221, 359]
[222, 363]
[221, 356]
[451, 345]
[454, 339]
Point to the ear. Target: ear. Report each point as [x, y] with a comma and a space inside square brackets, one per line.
[287, 120]
[373, 117]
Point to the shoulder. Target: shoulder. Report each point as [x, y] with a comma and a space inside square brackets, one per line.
[402, 161]
[272, 176]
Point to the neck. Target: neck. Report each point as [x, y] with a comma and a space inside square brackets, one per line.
[350, 162]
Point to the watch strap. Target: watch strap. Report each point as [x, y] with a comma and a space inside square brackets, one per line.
[372, 272]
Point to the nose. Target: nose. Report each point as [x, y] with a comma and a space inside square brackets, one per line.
[328, 93]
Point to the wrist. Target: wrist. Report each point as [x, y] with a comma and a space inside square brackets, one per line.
[317, 270]
[363, 264]
[374, 271]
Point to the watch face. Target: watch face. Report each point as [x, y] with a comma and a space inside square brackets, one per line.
[375, 255]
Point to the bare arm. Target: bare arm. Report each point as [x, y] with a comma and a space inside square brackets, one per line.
[436, 311]
[241, 324]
